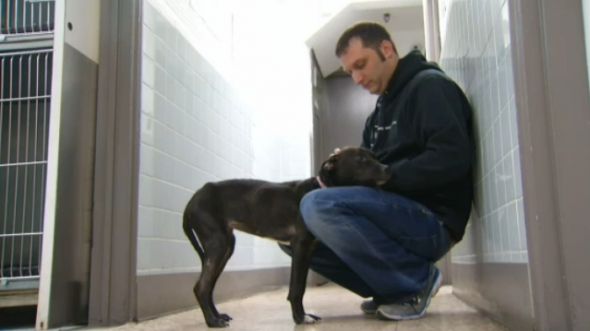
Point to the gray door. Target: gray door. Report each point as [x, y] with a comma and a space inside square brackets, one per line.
[346, 110]
[553, 106]
[318, 97]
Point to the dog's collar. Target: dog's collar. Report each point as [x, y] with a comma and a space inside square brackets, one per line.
[322, 185]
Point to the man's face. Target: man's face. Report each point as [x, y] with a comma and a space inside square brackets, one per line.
[367, 68]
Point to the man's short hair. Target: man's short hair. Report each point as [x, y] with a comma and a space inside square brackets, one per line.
[371, 35]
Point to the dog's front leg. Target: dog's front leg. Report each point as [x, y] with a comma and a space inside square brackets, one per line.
[301, 245]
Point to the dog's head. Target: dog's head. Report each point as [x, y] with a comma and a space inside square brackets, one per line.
[353, 166]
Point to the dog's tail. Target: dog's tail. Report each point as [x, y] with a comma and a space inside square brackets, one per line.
[188, 231]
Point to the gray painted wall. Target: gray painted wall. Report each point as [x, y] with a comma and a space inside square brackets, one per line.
[347, 109]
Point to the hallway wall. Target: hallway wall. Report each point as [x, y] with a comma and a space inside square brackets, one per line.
[206, 118]
[490, 265]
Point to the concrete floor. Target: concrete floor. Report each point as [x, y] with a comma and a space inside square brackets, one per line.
[338, 308]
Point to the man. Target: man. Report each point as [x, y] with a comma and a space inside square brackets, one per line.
[383, 243]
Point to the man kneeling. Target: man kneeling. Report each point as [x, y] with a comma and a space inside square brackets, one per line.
[383, 243]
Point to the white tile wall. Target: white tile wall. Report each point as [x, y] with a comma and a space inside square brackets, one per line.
[477, 53]
[196, 127]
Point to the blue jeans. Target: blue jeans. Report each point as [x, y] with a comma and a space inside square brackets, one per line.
[374, 243]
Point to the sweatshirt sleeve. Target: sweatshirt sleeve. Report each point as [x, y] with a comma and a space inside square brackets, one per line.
[437, 119]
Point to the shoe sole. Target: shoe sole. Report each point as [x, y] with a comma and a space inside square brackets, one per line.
[434, 292]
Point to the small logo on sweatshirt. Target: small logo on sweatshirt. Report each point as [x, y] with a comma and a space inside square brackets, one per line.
[379, 129]
[385, 128]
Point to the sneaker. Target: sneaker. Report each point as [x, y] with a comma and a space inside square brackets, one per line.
[369, 307]
[415, 308]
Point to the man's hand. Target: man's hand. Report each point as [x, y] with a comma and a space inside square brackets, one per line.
[336, 151]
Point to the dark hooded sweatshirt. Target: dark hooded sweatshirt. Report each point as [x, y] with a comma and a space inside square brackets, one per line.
[421, 128]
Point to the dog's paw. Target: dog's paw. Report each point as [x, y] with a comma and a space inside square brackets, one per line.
[218, 323]
[311, 319]
[225, 317]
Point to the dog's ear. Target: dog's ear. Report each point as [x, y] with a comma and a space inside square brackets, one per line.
[328, 171]
[327, 167]
[330, 163]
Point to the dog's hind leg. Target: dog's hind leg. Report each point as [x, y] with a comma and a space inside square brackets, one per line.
[218, 249]
[228, 253]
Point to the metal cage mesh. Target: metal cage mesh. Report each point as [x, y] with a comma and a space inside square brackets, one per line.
[24, 127]
[26, 17]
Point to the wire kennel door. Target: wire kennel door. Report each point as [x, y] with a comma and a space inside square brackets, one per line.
[26, 17]
[25, 90]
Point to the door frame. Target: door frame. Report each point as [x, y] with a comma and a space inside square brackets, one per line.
[112, 299]
[553, 112]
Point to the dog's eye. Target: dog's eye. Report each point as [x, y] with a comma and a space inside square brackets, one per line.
[361, 158]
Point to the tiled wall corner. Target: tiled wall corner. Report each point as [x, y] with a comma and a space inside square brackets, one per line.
[195, 128]
[477, 54]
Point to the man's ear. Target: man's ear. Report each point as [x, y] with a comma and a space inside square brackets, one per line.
[387, 48]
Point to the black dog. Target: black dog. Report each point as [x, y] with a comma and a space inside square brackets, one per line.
[269, 210]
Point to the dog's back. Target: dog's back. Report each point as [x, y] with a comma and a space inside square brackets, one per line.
[261, 208]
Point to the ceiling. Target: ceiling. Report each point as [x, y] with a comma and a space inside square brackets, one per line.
[406, 26]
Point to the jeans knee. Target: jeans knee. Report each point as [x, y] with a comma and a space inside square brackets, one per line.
[308, 205]
[315, 208]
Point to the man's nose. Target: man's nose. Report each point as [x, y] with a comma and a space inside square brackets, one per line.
[357, 77]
